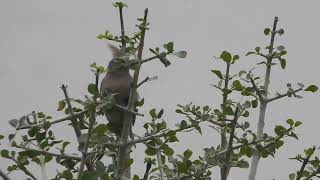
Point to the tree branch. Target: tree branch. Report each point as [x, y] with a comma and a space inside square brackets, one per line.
[282, 95]
[73, 119]
[60, 156]
[75, 115]
[124, 154]
[263, 104]
[227, 167]
[257, 90]
[146, 173]
[86, 145]
[303, 166]
[3, 175]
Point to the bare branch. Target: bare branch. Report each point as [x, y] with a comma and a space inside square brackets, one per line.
[73, 119]
[143, 81]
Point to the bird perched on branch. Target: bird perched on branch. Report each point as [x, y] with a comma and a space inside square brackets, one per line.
[117, 81]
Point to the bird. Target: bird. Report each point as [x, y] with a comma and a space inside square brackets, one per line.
[117, 82]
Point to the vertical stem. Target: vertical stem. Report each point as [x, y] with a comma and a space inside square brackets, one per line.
[73, 119]
[225, 173]
[224, 104]
[124, 155]
[75, 126]
[123, 42]
[41, 157]
[160, 164]
[86, 144]
[263, 104]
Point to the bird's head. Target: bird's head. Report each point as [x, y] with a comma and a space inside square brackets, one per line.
[119, 62]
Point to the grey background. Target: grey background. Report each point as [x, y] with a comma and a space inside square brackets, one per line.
[46, 43]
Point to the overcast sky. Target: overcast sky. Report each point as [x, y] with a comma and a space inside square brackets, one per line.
[44, 44]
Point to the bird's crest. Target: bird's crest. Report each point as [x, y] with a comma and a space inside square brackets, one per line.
[116, 52]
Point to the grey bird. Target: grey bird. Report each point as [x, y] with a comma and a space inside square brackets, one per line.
[117, 81]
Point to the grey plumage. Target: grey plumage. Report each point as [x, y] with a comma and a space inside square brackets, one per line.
[116, 81]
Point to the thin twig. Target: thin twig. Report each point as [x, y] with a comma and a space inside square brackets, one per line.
[146, 173]
[150, 58]
[86, 145]
[143, 81]
[127, 110]
[73, 119]
[261, 98]
[60, 156]
[303, 166]
[123, 42]
[69, 117]
[282, 95]
[24, 169]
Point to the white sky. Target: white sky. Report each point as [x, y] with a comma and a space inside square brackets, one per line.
[46, 43]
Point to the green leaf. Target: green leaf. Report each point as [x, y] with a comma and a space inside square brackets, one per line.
[101, 129]
[266, 31]
[167, 150]
[92, 89]
[61, 105]
[129, 162]
[119, 4]
[183, 124]
[226, 56]
[140, 103]
[180, 54]
[290, 122]
[243, 164]
[280, 130]
[150, 151]
[257, 49]
[281, 48]
[169, 47]
[67, 174]
[136, 177]
[309, 151]
[237, 85]
[187, 154]
[5, 154]
[292, 176]
[246, 125]
[312, 88]
[292, 134]
[228, 111]
[41, 115]
[153, 113]
[235, 57]
[281, 31]
[217, 73]
[159, 115]
[245, 114]
[297, 123]
[101, 36]
[283, 63]
[254, 103]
